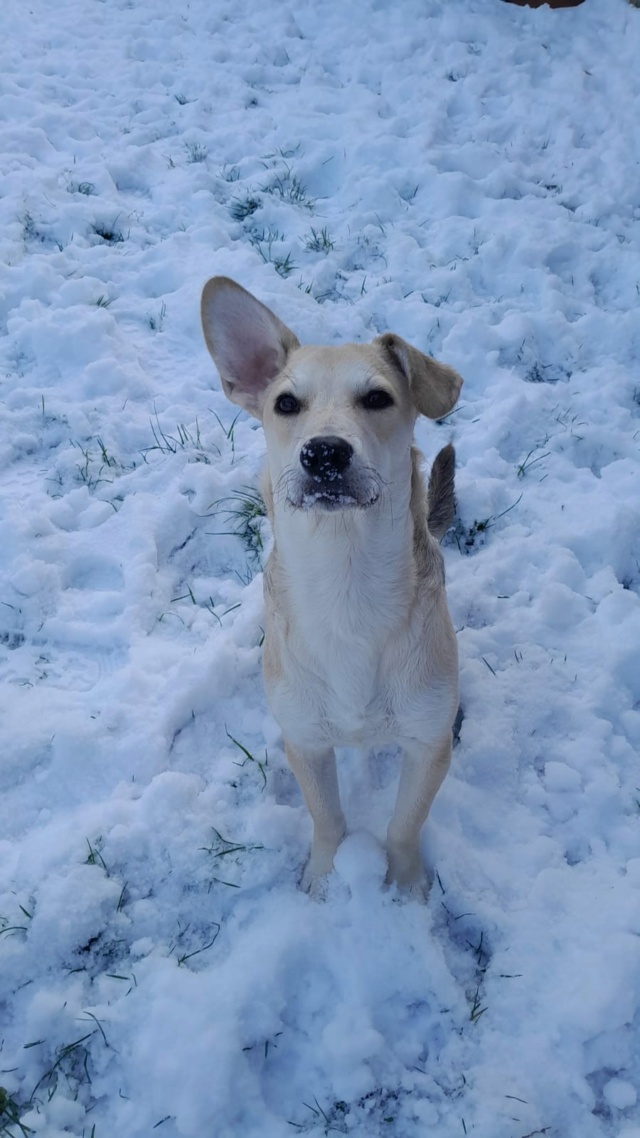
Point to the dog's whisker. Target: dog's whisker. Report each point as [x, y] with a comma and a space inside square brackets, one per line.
[282, 486]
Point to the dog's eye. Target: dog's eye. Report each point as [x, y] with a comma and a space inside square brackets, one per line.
[376, 400]
[287, 404]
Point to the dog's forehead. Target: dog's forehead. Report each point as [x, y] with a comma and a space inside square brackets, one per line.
[345, 367]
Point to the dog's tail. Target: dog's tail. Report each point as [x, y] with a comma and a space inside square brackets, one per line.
[442, 500]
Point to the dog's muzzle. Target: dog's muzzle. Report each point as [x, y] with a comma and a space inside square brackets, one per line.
[330, 479]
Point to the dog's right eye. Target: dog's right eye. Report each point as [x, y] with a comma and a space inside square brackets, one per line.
[376, 400]
[287, 404]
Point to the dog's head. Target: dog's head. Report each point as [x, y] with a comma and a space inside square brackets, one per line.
[338, 420]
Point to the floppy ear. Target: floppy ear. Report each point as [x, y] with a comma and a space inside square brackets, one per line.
[248, 343]
[435, 387]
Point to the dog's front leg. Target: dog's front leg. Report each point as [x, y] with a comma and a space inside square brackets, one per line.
[423, 770]
[318, 780]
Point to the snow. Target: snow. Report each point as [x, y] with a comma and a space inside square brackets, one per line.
[464, 174]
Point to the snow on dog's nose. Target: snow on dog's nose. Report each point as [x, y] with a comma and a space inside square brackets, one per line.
[326, 457]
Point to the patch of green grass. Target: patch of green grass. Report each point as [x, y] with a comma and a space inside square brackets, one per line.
[8, 930]
[203, 948]
[110, 234]
[264, 240]
[97, 468]
[131, 980]
[375, 1113]
[210, 607]
[196, 152]
[267, 236]
[95, 857]
[265, 1044]
[107, 459]
[331, 1120]
[319, 241]
[543, 373]
[528, 462]
[284, 265]
[209, 604]
[84, 468]
[224, 848]
[156, 323]
[241, 208]
[229, 432]
[71, 1063]
[571, 422]
[466, 538]
[244, 510]
[249, 758]
[288, 187]
[10, 1114]
[182, 439]
[477, 1008]
[30, 230]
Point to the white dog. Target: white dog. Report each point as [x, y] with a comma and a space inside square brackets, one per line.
[359, 649]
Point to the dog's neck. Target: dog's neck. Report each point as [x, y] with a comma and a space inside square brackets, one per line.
[350, 574]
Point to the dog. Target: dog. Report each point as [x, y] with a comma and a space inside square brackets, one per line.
[359, 649]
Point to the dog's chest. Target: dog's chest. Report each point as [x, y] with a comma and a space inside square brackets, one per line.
[337, 689]
[344, 658]
[338, 700]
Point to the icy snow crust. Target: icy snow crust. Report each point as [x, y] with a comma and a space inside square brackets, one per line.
[464, 174]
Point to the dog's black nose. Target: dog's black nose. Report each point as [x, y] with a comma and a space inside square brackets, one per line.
[326, 456]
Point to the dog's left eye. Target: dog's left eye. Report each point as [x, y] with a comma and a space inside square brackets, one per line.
[287, 404]
[376, 400]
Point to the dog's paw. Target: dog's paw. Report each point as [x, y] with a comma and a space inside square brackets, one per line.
[315, 884]
[316, 872]
[407, 872]
[414, 891]
[320, 865]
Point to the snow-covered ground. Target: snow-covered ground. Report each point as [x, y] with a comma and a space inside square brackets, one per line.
[465, 173]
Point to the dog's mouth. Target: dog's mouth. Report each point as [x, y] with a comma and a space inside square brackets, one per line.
[358, 488]
[329, 496]
[328, 501]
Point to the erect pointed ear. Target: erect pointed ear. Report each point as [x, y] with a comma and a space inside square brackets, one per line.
[248, 343]
[435, 387]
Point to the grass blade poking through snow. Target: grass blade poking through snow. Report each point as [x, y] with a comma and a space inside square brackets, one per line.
[249, 758]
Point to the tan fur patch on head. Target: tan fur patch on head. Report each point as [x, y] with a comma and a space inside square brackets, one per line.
[435, 387]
